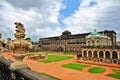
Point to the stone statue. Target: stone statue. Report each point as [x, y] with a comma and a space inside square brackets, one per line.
[20, 47]
[9, 44]
[1, 44]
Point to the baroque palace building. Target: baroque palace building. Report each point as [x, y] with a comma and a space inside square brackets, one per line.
[96, 46]
[71, 43]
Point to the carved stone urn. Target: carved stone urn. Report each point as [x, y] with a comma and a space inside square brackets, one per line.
[20, 47]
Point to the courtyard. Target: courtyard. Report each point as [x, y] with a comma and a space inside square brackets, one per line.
[65, 68]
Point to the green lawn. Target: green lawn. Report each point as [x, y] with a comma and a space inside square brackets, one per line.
[116, 74]
[69, 53]
[75, 66]
[50, 76]
[96, 70]
[116, 71]
[54, 58]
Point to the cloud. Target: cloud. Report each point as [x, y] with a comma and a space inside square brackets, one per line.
[99, 14]
[39, 17]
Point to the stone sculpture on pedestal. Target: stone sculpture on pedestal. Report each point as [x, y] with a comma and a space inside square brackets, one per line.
[20, 47]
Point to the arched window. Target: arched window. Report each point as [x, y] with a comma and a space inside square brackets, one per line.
[93, 43]
[97, 43]
[101, 54]
[89, 53]
[85, 54]
[88, 43]
[107, 54]
[114, 55]
[95, 54]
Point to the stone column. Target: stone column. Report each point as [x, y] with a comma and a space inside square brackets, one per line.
[119, 57]
[92, 54]
[87, 53]
[104, 56]
[98, 54]
[111, 54]
[118, 53]
[82, 53]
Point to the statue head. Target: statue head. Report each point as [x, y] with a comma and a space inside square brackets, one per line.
[18, 24]
[9, 39]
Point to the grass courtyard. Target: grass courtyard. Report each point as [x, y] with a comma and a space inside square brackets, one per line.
[96, 70]
[75, 66]
[55, 58]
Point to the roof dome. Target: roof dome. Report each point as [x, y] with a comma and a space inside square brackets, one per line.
[96, 35]
[66, 33]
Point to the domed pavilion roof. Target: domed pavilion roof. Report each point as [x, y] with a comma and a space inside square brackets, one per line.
[96, 35]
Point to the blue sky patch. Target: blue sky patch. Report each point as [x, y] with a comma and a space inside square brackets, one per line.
[1, 6]
[71, 7]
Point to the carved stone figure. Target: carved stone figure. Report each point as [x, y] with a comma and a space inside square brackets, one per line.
[1, 44]
[20, 47]
[9, 44]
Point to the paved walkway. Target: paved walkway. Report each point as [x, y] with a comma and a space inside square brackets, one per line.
[56, 70]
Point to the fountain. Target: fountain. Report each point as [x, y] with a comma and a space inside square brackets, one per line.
[19, 46]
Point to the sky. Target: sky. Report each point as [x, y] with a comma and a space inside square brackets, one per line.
[47, 18]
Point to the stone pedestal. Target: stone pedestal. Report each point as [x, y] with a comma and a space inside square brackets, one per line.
[18, 64]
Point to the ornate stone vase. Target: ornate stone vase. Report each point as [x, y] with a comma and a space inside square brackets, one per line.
[20, 47]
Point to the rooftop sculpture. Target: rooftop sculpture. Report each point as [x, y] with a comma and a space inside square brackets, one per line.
[20, 46]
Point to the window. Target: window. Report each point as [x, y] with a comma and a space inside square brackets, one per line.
[88, 43]
[98, 43]
[93, 43]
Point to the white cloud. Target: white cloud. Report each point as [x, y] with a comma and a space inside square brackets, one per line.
[104, 14]
[39, 20]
